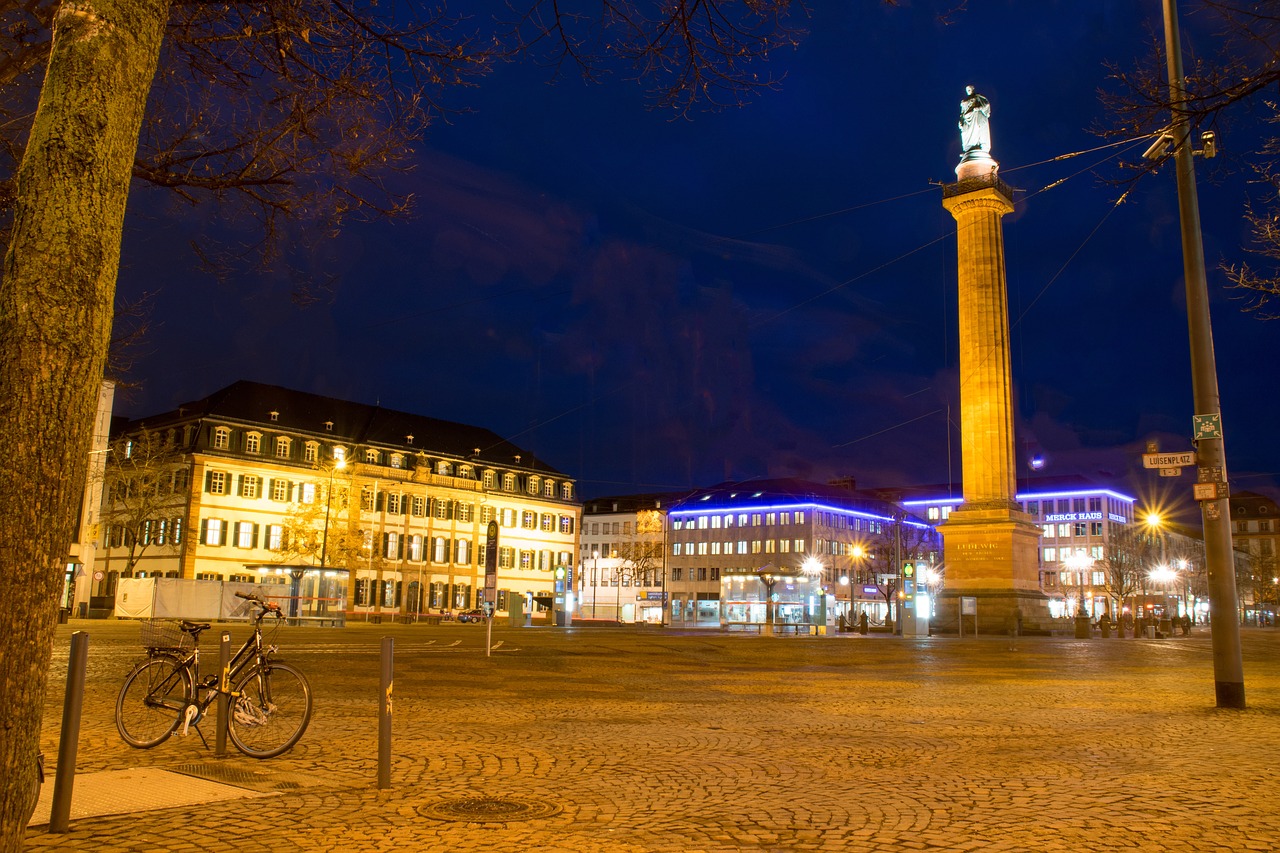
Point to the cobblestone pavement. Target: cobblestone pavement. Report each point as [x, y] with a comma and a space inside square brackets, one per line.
[639, 739]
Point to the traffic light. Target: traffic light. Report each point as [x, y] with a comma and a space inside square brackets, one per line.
[908, 570]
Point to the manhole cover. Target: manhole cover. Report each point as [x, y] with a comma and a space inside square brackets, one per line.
[489, 810]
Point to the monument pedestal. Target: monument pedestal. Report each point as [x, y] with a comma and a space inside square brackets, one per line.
[992, 556]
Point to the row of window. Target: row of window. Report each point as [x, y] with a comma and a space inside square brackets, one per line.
[415, 548]
[1261, 526]
[1077, 579]
[283, 447]
[250, 486]
[701, 573]
[158, 531]
[1073, 528]
[743, 519]
[740, 546]
[607, 576]
[1055, 555]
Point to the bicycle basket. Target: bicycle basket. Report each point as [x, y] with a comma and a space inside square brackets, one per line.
[165, 634]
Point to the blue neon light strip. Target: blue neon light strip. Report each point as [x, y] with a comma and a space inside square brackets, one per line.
[1029, 496]
[748, 508]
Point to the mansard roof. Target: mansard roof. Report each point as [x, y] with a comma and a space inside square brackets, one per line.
[299, 412]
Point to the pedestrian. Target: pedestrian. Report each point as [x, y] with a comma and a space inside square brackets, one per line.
[1186, 624]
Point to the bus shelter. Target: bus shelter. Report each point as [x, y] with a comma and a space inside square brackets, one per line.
[771, 598]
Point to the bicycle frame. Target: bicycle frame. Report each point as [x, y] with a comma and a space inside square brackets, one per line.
[207, 690]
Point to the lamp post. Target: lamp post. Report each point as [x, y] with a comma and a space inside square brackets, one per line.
[1079, 563]
[595, 579]
[1228, 667]
[328, 505]
[1162, 570]
[338, 465]
[813, 569]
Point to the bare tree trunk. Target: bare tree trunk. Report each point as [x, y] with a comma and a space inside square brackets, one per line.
[55, 322]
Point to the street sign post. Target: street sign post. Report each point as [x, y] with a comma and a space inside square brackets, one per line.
[1168, 460]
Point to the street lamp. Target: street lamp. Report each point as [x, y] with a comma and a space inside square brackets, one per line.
[1156, 524]
[328, 504]
[811, 567]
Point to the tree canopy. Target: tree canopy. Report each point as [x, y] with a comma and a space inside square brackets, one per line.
[1230, 89]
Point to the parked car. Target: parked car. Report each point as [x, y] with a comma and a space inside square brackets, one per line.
[476, 615]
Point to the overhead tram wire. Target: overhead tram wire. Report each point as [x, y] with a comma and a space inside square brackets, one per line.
[800, 304]
[1133, 142]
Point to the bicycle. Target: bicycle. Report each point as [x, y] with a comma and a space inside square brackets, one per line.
[270, 701]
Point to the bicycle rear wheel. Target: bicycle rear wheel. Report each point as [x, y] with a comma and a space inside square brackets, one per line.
[271, 711]
[150, 705]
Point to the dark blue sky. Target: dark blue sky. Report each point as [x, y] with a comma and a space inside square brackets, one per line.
[652, 303]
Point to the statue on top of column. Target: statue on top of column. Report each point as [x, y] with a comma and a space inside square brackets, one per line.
[975, 125]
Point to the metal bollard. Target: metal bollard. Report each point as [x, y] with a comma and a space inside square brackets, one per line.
[224, 700]
[384, 713]
[60, 817]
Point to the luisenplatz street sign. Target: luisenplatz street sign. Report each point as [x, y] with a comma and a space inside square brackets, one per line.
[1169, 460]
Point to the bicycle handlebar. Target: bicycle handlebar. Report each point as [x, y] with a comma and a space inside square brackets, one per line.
[267, 606]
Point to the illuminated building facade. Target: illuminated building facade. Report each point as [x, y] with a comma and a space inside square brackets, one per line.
[622, 572]
[1075, 518]
[365, 509]
[859, 542]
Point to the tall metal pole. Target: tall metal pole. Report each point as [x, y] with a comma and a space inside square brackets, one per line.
[1228, 669]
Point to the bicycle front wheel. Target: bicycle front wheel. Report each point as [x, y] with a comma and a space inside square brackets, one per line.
[150, 705]
[271, 711]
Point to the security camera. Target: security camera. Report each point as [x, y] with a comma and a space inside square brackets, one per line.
[1210, 149]
[1159, 148]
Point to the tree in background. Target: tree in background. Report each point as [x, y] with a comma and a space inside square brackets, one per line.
[1128, 558]
[276, 102]
[1230, 87]
[640, 555]
[144, 489]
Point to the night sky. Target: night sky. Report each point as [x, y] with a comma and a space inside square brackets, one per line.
[650, 302]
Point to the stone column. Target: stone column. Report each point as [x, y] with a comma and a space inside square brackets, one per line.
[989, 545]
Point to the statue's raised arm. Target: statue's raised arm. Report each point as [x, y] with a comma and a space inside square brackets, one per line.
[975, 124]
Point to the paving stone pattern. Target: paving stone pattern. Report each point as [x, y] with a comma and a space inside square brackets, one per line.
[702, 742]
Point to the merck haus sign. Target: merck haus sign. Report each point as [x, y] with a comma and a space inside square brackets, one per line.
[1075, 516]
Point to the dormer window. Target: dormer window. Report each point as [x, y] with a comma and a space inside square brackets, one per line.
[508, 482]
[371, 456]
[275, 416]
[444, 468]
[283, 445]
[311, 453]
[328, 425]
[566, 491]
[549, 488]
[339, 453]
[221, 438]
[397, 460]
[487, 480]
[253, 442]
[534, 483]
